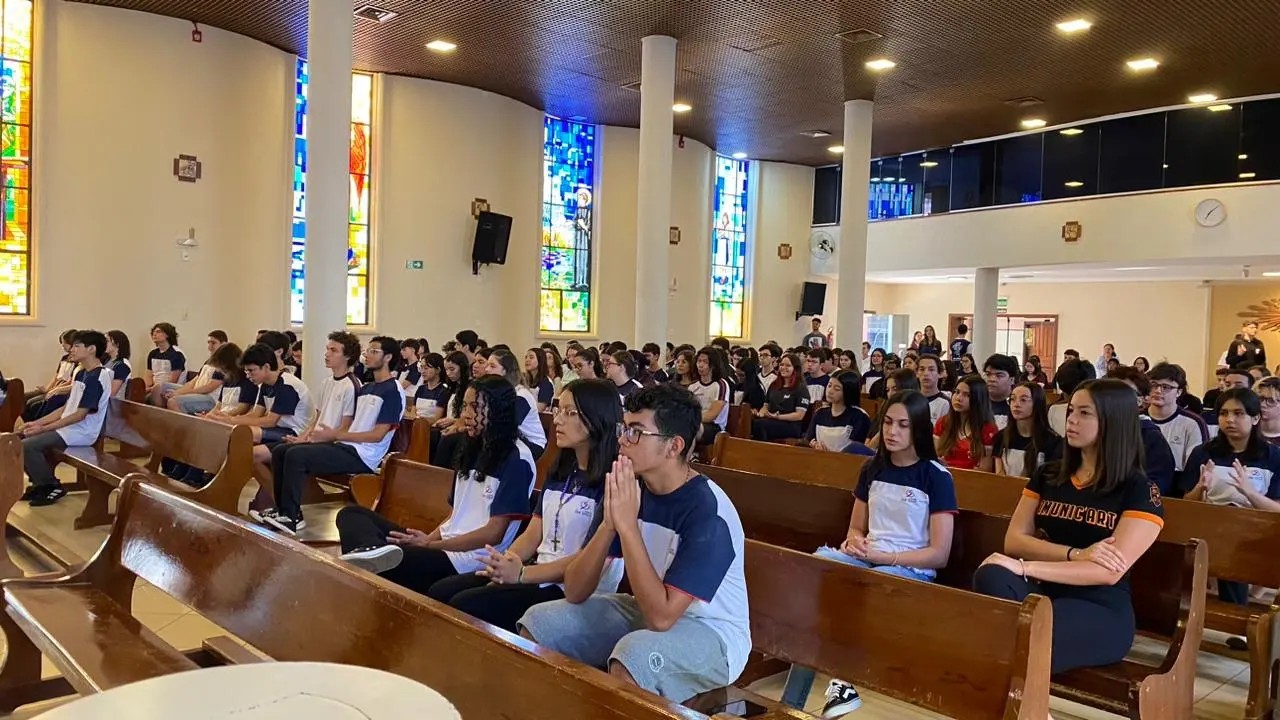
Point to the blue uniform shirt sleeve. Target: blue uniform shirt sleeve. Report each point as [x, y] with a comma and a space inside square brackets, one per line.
[286, 400]
[120, 372]
[1273, 464]
[942, 491]
[392, 406]
[702, 559]
[178, 361]
[545, 392]
[863, 489]
[92, 394]
[514, 484]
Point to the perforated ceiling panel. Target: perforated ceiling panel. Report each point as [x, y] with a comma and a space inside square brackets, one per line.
[759, 73]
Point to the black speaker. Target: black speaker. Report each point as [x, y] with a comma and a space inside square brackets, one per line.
[492, 233]
[813, 299]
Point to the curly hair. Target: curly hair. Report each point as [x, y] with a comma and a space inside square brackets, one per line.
[496, 417]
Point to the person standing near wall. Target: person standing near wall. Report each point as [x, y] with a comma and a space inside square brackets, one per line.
[815, 338]
[1246, 350]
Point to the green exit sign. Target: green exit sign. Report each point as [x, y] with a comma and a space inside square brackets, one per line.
[413, 265]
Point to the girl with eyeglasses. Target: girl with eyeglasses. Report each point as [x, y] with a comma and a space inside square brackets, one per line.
[432, 397]
[494, 472]
[1027, 442]
[1269, 399]
[531, 570]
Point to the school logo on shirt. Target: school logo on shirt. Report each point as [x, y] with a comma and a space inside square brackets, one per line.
[584, 508]
[1155, 495]
[489, 491]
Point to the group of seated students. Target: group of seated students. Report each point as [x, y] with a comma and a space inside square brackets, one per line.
[624, 498]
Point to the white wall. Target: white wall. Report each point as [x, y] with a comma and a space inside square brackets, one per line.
[1130, 228]
[784, 211]
[119, 94]
[1157, 320]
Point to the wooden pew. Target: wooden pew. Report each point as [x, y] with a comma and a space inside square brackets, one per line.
[964, 655]
[1169, 605]
[786, 461]
[225, 450]
[408, 493]
[870, 406]
[271, 592]
[412, 440]
[11, 408]
[11, 487]
[738, 423]
[550, 454]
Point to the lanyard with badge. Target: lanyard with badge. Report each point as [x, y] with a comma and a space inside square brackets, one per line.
[570, 491]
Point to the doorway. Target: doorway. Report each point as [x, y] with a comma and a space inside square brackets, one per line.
[1019, 336]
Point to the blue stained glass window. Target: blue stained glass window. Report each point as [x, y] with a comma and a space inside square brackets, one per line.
[729, 249]
[568, 195]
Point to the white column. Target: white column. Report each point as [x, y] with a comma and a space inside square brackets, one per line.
[653, 192]
[855, 178]
[328, 158]
[986, 289]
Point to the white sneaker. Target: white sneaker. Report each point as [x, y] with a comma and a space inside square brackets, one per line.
[842, 698]
[376, 560]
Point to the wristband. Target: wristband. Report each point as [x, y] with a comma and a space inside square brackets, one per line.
[1069, 553]
[520, 577]
[1023, 564]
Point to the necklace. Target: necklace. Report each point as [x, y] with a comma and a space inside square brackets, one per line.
[569, 491]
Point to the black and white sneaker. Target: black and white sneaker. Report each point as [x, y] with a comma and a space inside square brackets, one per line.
[46, 495]
[842, 698]
[286, 525]
[260, 516]
[376, 560]
[30, 492]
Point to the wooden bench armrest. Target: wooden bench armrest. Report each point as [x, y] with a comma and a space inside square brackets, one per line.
[1184, 646]
[230, 652]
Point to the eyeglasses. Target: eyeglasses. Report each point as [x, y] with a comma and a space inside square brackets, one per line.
[1269, 401]
[557, 411]
[632, 434]
[1162, 387]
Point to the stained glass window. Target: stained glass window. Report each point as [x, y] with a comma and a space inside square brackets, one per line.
[729, 249]
[15, 157]
[568, 192]
[358, 217]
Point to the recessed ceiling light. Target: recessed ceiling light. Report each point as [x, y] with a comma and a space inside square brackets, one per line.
[1202, 98]
[1248, 176]
[875, 179]
[1073, 26]
[1033, 123]
[1071, 131]
[837, 149]
[1143, 64]
[441, 46]
[1271, 274]
[816, 133]
[880, 64]
[739, 156]
[681, 107]
[1219, 108]
[1242, 156]
[1165, 166]
[1135, 268]
[928, 164]
[1074, 184]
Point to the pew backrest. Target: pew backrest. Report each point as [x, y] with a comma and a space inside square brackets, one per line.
[791, 514]
[957, 653]
[787, 461]
[196, 441]
[294, 603]
[14, 402]
[414, 495]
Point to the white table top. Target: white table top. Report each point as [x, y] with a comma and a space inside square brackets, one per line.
[266, 691]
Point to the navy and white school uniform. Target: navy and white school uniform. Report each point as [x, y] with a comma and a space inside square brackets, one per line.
[120, 369]
[90, 391]
[427, 400]
[708, 393]
[1014, 454]
[231, 397]
[167, 366]
[412, 375]
[289, 398]
[475, 498]
[837, 432]
[545, 392]
[870, 379]
[337, 400]
[817, 387]
[529, 422]
[1000, 410]
[568, 511]
[939, 406]
[900, 503]
[627, 389]
[377, 403]
[1184, 432]
[1263, 474]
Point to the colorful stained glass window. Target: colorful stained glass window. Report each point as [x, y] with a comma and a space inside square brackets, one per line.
[15, 156]
[568, 193]
[729, 249]
[358, 218]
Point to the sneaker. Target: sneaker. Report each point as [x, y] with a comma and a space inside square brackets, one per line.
[1234, 642]
[47, 496]
[842, 698]
[286, 525]
[260, 516]
[30, 492]
[193, 477]
[376, 560]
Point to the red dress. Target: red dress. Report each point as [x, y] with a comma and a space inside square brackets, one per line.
[958, 456]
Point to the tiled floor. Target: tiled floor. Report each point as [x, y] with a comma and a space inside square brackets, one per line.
[1221, 682]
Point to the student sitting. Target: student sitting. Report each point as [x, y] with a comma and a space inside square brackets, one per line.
[283, 407]
[712, 392]
[586, 420]
[769, 354]
[929, 373]
[199, 394]
[620, 369]
[847, 360]
[1157, 457]
[1080, 526]
[410, 376]
[895, 380]
[1032, 373]
[684, 371]
[681, 543]
[786, 404]
[457, 372]
[166, 364]
[358, 449]
[336, 411]
[1068, 377]
[814, 378]
[280, 344]
[1027, 442]
[968, 365]
[841, 422]
[432, 398]
[535, 378]
[1182, 430]
[1269, 400]
[904, 512]
[503, 364]
[51, 396]
[494, 477]
[965, 435]
[76, 424]
[118, 361]
[1238, 467]
[1001, 371]
[1211, 397]
[238, 395]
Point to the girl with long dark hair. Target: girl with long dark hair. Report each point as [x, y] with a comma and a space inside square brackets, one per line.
[535, 377]
[875, 370]
[786, 403]
[842, 422]
[712, 391]
[494, 473]
[904, 512]
[432, 397]
[965, 435]
[1079, 527]
[531, 570]
[503, 364]
[1033, 373]
[930, 344]
[683, 369]
[118, 352]
[1027, 442]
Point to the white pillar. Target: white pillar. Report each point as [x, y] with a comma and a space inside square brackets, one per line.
[328, 162]
[653, 192]
[855, 178]
[986, 290]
